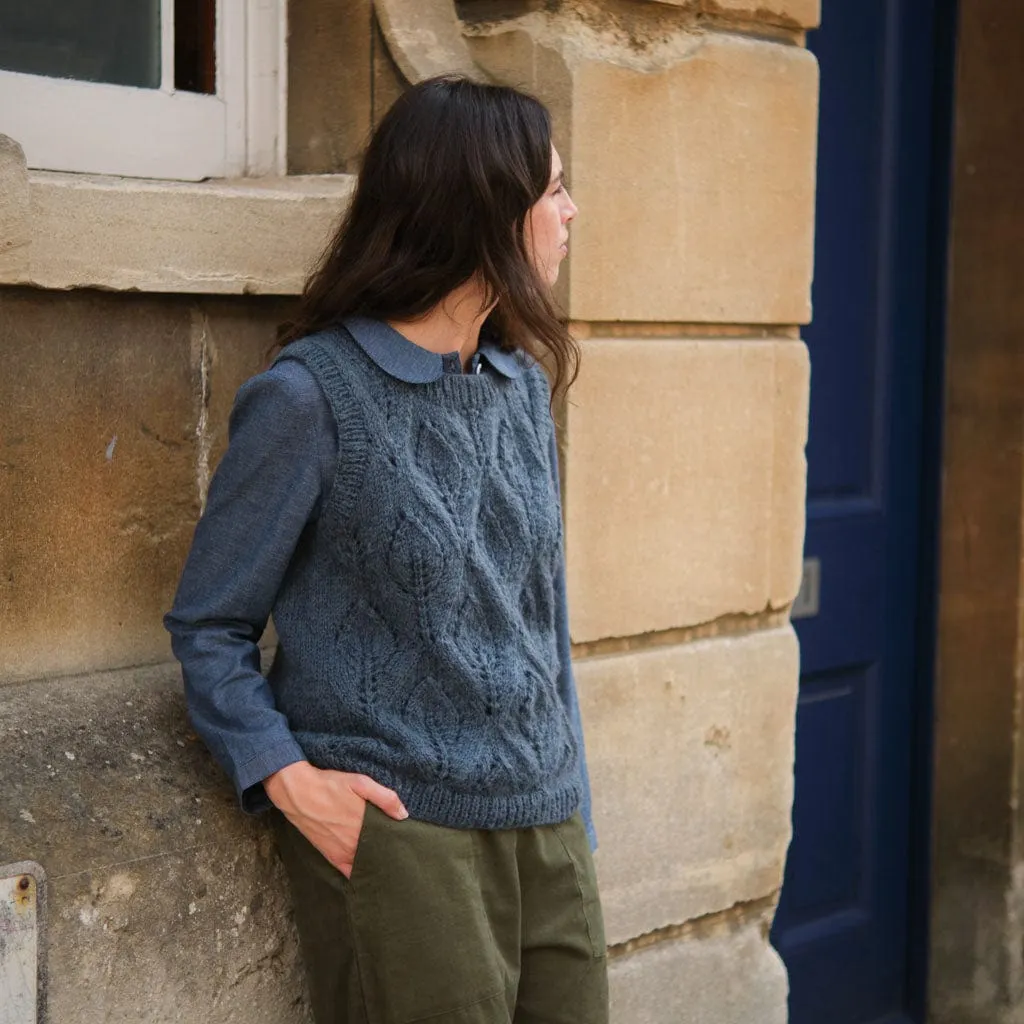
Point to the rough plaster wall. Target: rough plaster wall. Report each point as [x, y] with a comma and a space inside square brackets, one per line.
[165, 904]
[977, 973]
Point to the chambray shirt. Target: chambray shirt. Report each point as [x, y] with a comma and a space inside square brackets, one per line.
[257, 507]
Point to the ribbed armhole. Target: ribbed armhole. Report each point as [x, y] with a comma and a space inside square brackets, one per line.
[321, 355]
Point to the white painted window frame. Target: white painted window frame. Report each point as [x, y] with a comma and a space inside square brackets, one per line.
[93, 128]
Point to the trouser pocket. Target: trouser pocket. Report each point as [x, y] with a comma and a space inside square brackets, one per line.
[320, 896]
[423, 939]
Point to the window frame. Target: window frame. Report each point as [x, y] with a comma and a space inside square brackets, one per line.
[97, 128]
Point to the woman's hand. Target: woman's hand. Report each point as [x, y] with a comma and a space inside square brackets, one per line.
[327, 807]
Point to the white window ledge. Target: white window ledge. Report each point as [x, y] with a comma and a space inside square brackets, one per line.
[254, 236]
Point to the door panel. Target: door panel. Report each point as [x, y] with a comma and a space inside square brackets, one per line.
[832, 714]
[843, 921]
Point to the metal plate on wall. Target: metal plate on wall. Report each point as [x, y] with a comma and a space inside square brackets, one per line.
[808, 600]
[21, 899]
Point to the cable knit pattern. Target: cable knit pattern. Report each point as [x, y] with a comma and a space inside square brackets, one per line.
[431, 567]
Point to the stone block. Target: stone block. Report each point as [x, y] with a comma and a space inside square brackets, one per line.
[789, 471]
[696, 186]
[97, 473]
[164, 902]
[245, 236]
[330, 87]
[692, 161]
[101, 453]
[732, 976]
[15, 230]
[684, 482]
[690, 751]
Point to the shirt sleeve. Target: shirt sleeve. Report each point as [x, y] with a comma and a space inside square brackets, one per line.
[266, 491]
[566, 680]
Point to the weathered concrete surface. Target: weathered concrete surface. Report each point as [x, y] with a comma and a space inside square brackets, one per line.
[731, 975]
[794, 13]
[164, 902]
[684, 482]
[115, 416]
[243, 236]
[977, 974]
[690, 750]
[692, 160]
[975, 928]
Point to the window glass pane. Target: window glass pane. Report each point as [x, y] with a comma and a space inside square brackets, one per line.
[116, 41]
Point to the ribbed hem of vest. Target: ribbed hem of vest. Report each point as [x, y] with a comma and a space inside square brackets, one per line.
[465, 810]
[441, 805]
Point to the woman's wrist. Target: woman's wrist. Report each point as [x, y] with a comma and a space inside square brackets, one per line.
[280, 785]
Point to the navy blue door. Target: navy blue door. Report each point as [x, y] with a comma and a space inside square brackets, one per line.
[844, 927]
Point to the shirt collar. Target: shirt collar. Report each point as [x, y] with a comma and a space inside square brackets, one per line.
[398, 356]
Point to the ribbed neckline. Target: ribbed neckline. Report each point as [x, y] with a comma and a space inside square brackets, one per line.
[467, 390]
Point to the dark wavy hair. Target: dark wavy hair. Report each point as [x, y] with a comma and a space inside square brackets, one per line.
[445, 187]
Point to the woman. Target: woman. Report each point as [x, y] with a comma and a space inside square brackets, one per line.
[390, 495]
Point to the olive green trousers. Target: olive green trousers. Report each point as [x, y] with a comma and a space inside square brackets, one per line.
[451, 926]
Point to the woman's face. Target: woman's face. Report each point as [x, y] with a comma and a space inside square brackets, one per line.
[547, 224]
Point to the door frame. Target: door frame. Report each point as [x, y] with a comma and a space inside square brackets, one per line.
[942, 31]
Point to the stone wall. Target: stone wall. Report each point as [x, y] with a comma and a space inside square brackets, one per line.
[977, 972]
[113, 411]
[688, 133]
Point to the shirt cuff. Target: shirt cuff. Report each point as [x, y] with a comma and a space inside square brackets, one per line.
[249, 778]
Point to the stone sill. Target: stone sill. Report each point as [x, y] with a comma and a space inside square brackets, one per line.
[255, 236]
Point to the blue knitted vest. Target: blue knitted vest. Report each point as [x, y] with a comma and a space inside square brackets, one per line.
[416, 619]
